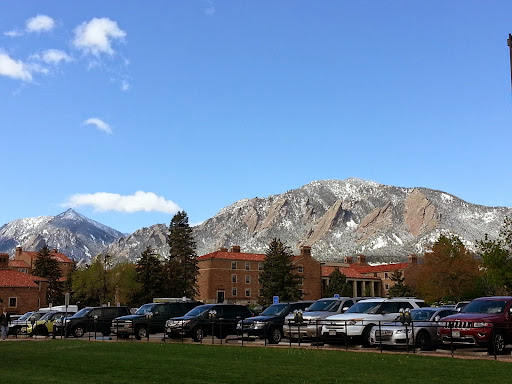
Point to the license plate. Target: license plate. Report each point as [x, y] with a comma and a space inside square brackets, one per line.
[456, 334]
[332, 332]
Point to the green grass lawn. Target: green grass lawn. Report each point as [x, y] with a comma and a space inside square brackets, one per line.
[81, 361]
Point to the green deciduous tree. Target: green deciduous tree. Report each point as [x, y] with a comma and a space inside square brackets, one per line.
[338, 285]
[399, 289]
[91, 286]
[450, 272]
[496, 257]
[181, 265]
[277, 277]
[48, 267]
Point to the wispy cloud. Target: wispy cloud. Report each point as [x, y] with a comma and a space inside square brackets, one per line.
[55, 56]
[209, 9]
[39, 23]
[99, 124]
[15, 69]
[13, 33]
[97, 35]
[139, 201]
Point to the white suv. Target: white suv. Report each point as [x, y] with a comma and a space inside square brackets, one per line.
[358, 320]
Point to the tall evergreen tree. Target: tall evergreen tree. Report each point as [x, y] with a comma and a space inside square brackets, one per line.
[150, 276]
[48, 267]
[277, 277]
[399, 289]
[338, 285]
[181, 266]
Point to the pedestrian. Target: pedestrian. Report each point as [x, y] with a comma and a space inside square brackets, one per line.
[5, 318]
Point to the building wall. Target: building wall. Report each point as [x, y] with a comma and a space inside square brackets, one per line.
[27, 298]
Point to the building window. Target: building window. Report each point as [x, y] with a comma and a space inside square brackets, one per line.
[247, 279]
[301, 281]
[247, 266]
[300, 268]
[374, 274]
[386, 276]
[13, 302]
[233, 265]
[233, 291]
[386, 286]
[233, 278]
[248, 292]
[260, 266]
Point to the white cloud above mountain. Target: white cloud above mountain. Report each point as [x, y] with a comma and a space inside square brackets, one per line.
[97, 36]
[15, 69]
[99, 124]
[140, 201]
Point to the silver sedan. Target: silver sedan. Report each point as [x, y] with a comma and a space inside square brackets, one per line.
[421, 331]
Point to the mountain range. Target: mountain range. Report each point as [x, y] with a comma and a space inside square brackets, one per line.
[336, 218]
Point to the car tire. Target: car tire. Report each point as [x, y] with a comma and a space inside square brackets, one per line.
[365, 342]
[274, 335]
[141, 332]
[197, 334]
[78, 331]
[423, 341]
[497, 344]
[105, 333]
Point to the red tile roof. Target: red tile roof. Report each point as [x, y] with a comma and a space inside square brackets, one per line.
[347, 271]
[355, 270]
[12, 278]
[232, 256]
[18, 264]
[60, 257]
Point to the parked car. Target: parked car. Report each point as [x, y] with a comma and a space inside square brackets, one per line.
[422, 332]
[44, 326]
[93, 319]
[484, 322]
[269, 324]
[16, 325]
[22, 327]
[221, 319]
[150, 318]
[357, 322]
[460, 305]
[314, 316]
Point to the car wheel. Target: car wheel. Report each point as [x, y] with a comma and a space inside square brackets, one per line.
[366, 336]
[423, 341]
[498, 346]
[79, 331]
[197, 334]
[141, 332]
[105, 333]
[275, 335]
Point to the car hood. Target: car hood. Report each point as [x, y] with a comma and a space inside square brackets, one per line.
[261, 318]
[363, 316]
[489, 317]
[129, 317]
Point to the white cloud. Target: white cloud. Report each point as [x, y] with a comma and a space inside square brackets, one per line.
[139, 201]
[15, 69]
[97, 35]
[13, 33]
[40, 23]
[99, 124]
[125, 85]
[55, 56]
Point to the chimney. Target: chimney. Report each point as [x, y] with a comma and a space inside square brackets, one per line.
[18, 252]
[4, 261]
[222, 249]
[413, 259]
[348, 260]
[305, 251]
[235, 249]
[361, 259]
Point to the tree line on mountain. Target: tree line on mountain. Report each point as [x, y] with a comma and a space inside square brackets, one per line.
[448, 272]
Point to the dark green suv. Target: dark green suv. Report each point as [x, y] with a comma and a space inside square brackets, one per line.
[93, 319]
[150, 318]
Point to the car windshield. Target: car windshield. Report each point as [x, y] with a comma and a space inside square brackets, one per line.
[324, 306]
[47, 316]
[145, 309]
[25, 316]
[485, 306]
[82, 312]
[363, 307]
[275, 310]
[199, 310]
[36, 316]
[422, 314]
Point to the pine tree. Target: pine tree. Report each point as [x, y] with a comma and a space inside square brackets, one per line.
[181, 266]
[150, 276]
[399, 289]
[338, 285]
[277, 277]
[48, 267]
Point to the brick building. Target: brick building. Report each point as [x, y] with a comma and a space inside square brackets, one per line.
[65, 263]
[233, 276]
[20, 292]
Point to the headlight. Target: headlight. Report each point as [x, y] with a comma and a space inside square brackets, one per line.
[482, 325]
[402, 331]
[258, 324]
[352, 322]
[68, 321]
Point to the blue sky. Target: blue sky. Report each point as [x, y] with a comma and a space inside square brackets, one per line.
[128, 111]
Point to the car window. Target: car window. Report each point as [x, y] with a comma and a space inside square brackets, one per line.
[485, 306]
[275, 310]
[95, 312]
[363, 307]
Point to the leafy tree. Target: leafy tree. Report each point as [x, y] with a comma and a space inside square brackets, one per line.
[338, 285]
[399, 289]
[123, 279]
[450, 272]
[150, 276]
[91, 285]
[47, 266]
[277, 277]
[496, 257]
[181, 266]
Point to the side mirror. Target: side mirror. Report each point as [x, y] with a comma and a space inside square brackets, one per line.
[344, 309]
[437, 318]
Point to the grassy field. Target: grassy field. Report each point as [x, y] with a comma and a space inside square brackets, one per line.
[81, 361]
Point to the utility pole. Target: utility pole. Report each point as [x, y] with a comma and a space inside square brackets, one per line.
[509, 43]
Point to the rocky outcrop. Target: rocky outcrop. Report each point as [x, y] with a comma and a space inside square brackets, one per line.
[378, 219]
[420, 215]
[329, 220]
